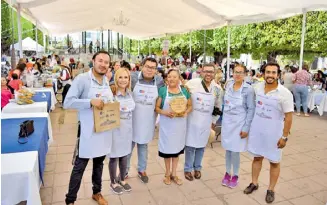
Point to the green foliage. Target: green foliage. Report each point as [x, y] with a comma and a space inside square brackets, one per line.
[9, 30]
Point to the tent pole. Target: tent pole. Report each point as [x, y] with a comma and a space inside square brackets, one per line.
[138, 48]
[302, 37]
[204, 46]
[228, 49]
[190, 47]
[44, 43]
[19, 27]
[36, 40]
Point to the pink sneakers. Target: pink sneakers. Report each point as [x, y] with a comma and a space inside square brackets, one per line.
[226, 180]
[233, 182]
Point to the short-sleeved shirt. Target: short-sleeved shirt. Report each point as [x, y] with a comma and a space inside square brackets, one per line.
[163, 93]
[302, 77]
[285, 97]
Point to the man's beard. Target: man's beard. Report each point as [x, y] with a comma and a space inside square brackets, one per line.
[270, 82]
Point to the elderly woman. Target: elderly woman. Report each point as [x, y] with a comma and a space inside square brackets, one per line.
[301, 80]
[239, 106]
[122, 137]
[172, 133]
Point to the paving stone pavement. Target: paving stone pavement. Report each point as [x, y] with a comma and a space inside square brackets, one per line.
[303, 178]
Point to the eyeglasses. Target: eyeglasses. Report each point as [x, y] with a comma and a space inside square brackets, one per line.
[238, 73]
[208, 72]
[150, 68]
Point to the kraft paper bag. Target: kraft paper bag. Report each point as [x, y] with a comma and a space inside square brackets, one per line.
[108, 118]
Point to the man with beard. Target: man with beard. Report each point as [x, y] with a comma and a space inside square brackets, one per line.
[90, 90]
[270, 127]
[205, 99]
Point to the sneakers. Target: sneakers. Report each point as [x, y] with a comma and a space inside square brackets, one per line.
[144, 178]
[233, 182]
[125, 186]
[99, 198]
[116, 189]
[226, 180]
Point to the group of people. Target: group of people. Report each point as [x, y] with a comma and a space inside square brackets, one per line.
[298, 82]
[255, 119]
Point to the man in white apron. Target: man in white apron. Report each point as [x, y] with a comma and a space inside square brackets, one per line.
[145, 86]
[270, 127]
[90, 90]
[205, 96]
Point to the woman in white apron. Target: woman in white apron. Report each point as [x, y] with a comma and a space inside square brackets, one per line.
[122, 137]
[172, 130]
[238, 113]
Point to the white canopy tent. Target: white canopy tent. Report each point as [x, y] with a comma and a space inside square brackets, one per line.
[153, 18]
[29, 44]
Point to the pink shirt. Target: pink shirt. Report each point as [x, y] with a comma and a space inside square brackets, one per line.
[302, 77]
[5, 97]
[15, 84]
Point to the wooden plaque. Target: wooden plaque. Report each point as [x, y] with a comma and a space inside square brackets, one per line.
[178, 105]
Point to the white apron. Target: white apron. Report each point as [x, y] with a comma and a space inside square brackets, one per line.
[200, 119]
[233, 120]
[266, 128]
[144, 116]
[93, 144]
[122, 137]
[172, 131]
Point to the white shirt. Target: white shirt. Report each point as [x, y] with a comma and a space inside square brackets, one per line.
[286, 103]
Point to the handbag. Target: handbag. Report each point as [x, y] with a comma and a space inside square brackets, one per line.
[59, 84]
[26, 129]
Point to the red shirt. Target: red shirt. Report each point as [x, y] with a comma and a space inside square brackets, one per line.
[15, 84]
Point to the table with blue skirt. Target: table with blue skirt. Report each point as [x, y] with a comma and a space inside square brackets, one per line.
[37, 141]
[43, 97]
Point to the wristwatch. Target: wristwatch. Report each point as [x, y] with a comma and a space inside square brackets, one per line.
[284, 138]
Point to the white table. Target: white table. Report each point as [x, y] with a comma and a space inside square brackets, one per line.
[20, 179]
[31, 115]
[314, 99]
[53, 96]
[29, 108]
[323, 106]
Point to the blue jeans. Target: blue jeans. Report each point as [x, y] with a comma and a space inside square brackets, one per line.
[142, 157]
[301, 97]
[193, 159]
[232, 158]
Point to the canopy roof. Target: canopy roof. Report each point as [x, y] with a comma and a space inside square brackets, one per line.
[29, 44]
[153, 18]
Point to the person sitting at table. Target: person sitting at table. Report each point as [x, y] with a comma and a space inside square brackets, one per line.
[90, 90]
[172, 132]
[65, 78]
[15, 83]
[122, 137]
[301, 80]
[5, 93]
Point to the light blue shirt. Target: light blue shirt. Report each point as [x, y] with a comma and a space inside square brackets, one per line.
[248, 96]
[77, 96]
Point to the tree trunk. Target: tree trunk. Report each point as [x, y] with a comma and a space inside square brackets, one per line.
[271, 57]
[219, 56]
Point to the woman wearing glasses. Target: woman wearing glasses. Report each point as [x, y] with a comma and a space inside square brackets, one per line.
[238, 112]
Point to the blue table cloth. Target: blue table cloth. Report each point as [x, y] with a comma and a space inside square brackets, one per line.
[38, 141]
[43, 97]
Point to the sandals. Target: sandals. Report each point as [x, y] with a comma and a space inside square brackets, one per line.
[197, 174]
[176, 180]
[188, 176]
[167, 180]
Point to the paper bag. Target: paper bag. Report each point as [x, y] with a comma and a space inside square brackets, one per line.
[108, 118]
[75, 72]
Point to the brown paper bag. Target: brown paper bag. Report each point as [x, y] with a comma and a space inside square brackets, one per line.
[108, 118]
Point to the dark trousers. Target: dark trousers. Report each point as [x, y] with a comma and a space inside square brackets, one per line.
[113, 168]
[77, 175]
[64, 92]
